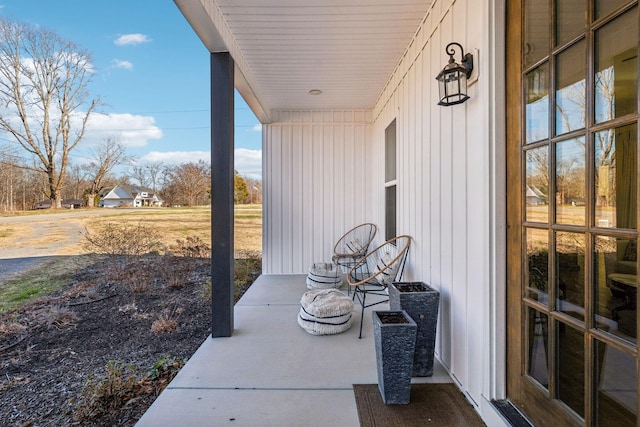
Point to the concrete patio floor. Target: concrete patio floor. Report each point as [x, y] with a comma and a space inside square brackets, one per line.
[271, 372]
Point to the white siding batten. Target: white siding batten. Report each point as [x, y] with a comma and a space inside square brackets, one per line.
[450, 184]
[317, 165]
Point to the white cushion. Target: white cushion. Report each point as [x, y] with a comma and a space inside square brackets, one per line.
[325, 312]
[324, 276]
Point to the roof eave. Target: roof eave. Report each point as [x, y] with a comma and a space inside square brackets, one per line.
[200, 19]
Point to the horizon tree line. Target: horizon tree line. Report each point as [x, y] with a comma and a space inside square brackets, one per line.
[45, 105]
[23, 187]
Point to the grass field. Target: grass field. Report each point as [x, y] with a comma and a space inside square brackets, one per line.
[179, 223]
[168, 225]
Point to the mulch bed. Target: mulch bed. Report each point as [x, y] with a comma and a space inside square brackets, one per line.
[50, 348]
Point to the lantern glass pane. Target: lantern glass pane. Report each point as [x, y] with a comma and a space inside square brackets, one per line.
[453, 83]
[442, 87]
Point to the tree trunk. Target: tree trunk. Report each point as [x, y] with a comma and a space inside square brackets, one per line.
[91, 197]
[56, 200]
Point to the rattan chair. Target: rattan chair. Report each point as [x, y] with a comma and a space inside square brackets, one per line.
[353, 246]
[378, 269]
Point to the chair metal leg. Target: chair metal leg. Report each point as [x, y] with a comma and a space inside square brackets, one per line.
[364, 296]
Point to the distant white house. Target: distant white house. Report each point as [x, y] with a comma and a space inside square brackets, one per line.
[535, 196]
[129, 196]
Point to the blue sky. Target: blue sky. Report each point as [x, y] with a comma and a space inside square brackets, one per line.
[152, 73]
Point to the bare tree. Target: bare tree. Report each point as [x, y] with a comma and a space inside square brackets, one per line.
[148, 174]
[20, 183]
[43, 87]
[9, 175]
[154, 169]
[109, 154]
[188, 184]
[140, 174]
[76, 180]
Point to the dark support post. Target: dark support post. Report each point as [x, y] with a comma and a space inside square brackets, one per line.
[222, 271]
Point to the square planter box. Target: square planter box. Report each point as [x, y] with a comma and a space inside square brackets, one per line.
[394, 334]
[421, 302]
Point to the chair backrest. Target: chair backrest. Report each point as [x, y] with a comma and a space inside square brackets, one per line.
[386, 262]
[355, 242]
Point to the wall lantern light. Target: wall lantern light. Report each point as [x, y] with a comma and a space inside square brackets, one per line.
[452, 80]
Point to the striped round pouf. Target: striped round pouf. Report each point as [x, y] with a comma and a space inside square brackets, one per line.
[325, 312]
[324, 275]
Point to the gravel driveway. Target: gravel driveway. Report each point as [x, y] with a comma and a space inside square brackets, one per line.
[46, 236]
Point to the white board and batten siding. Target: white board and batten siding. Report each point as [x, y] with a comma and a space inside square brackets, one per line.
[449, 190]
[317, 172]
[324, 173]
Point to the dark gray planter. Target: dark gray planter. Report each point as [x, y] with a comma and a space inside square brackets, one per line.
[394, 334]
[421, 302]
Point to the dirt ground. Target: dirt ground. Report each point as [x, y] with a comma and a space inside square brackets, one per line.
[51, 348]
[99, 349]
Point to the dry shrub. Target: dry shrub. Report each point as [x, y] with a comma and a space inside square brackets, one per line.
[163, 324]
[205, 290]
[11, 328]
[247, 268]
[167, 321]
[102, 397]
[57, 316]
[164, 370]
[138, 276]
[137, 284]
[191, 246]
[136, 314]
[84, 288]
[124, 244]
[122, 239]
[110, 393]
[174, 271]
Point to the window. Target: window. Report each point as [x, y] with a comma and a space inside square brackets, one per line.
[390, 180]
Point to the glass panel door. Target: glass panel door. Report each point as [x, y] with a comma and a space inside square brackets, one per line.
[574, 357]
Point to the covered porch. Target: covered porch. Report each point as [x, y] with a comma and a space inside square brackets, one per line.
[271, 372]
[352, 132]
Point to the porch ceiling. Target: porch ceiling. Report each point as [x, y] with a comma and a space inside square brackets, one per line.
[285, 48]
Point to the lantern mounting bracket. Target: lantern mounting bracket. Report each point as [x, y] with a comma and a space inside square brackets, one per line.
[466, 59]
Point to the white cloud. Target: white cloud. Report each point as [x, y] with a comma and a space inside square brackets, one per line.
[125, 65]
[131, 39]
[257, 128]
[133, 130]
[247, 162]
[176, 157]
